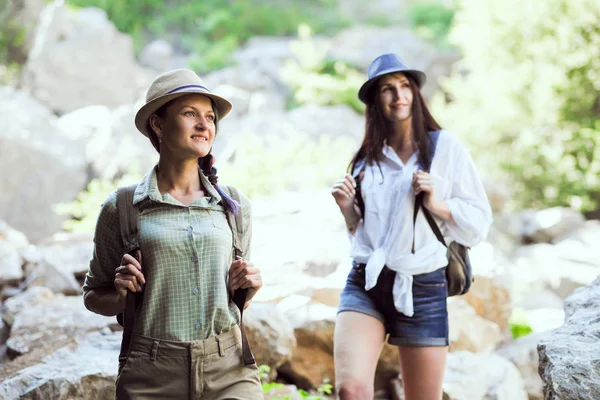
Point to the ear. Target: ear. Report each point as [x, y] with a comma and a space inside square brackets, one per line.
[156, 125]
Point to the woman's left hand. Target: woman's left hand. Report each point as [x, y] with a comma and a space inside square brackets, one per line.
[244, 275]
[424, 182]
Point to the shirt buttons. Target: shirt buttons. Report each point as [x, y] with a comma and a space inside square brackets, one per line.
[197, 326]
[194, 258]
[190, 229]
[186, 210]
[195, 291]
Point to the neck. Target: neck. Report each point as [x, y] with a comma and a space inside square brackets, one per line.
[402, 136]
[179, 176]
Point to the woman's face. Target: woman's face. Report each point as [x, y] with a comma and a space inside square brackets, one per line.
[187, 128]
[395, 97]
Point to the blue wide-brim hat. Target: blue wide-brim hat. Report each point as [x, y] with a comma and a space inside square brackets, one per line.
[387, 64]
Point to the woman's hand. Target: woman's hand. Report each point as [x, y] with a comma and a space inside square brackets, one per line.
[344, 192]
[244, 275]
[424, 182]
[128, 276]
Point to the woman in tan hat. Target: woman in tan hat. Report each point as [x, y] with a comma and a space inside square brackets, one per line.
[407, 170]
[186, 340]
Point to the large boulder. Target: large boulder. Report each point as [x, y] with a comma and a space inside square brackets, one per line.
[21, 19]
[64, 74]
[54, 320]
[270, 335]
[482, 377]
[41, 165]
[470, 332]
[568, 356]
[82, 369]
[523, 353]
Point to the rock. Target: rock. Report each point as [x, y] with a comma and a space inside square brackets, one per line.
[523, 353]
[470, 332]
[491, 299]
[11, 271]
[359, 45]
[12, 236]
[57, 319]
[21, 15]
[498, 194]
[471, 376]
[31, 298]
[68, 373]
[312, 359]
[64, 75]
[544, 319]
[270, 335]
[43, 172]
[68, 251]
[568, 356]
[541, 299]
[157, 55]
[547, 226]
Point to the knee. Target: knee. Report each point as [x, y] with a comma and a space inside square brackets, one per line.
[354, 389]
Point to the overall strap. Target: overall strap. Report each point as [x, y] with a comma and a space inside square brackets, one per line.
[129, 216]
[239, 296]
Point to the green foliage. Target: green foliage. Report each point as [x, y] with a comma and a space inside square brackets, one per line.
[316, 80]
[85, 208]
[518, 323]
[267, 387]
[431, 20]
[529, 104]
[288, 162]
[211, 29]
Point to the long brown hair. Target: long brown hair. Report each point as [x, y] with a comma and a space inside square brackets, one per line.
[377, 131]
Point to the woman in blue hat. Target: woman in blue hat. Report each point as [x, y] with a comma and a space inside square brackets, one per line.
[397, 286]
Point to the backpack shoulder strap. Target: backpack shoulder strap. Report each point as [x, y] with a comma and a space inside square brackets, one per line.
[358, 169]
[129, 218]
[236, 224]
[434, 136]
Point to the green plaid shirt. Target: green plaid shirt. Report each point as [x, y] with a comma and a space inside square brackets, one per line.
[186, 254]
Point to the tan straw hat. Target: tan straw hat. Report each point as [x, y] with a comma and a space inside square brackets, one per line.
[171, 85]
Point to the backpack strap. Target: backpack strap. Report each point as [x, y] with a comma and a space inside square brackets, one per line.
[434, 136]
[239, 296]
[358, 169]
[129, 217]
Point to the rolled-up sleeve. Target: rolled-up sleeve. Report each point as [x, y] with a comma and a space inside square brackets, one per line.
[468, 203]
[108, 248]
[246, 210]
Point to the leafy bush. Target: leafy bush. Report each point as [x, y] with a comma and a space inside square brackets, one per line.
[431, 20]
[527, 97]
[316, 80]
[211, 29]
[267, 387]
[289, 162]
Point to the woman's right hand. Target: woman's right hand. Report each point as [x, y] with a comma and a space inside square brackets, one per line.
[128, 276]
[344, 192]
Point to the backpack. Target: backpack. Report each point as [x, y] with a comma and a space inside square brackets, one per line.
[129, 215]
[459, 272]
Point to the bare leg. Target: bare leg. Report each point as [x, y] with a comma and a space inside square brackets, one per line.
[358, 341]
[423, 372]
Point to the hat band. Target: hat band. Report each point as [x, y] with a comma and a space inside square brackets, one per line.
[180, 88]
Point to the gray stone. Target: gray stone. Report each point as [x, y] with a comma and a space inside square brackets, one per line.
[46, 166]
[85, 369]
[11, 271]
[65, 75]
[568, 357]
[157, 55]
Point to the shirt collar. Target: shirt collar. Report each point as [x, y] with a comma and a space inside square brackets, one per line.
[391, 155]
[148, 188]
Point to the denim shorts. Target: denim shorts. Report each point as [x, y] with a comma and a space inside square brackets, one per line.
[429, 324]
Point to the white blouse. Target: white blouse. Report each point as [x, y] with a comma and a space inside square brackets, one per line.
[384, 236]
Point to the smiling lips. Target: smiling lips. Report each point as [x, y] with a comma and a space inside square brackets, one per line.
[200, 137]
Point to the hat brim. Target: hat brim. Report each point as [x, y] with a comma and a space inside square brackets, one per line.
[419, 76]
[141, 118]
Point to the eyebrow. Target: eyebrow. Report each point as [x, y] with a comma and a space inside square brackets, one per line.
[403, 80]
[195, 108]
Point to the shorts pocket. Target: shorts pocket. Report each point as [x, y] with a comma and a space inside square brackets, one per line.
[435, 279]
